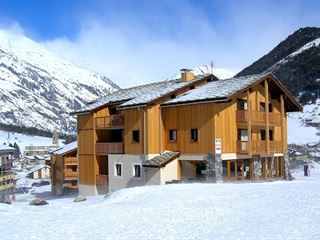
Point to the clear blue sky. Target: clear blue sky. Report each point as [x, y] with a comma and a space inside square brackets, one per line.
[146, 37]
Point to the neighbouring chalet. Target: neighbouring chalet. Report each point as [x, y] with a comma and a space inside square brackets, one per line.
[39, 172]
[64, 168]
[196, 128]
[6, 177]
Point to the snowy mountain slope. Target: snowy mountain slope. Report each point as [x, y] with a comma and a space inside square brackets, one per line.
[38, 89]
[221, 73]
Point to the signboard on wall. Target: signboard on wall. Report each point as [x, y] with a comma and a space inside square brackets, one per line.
[218, 146]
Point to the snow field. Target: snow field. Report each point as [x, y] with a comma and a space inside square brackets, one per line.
[270, 210]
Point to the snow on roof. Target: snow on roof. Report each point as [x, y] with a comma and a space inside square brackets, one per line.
[139, 95]
[6, 148]
[37, 167]
[66, 148]
[216, 89]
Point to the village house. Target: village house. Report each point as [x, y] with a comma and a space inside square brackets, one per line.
[6, 176]
[64, 168]
[195, 128]
[39, 172]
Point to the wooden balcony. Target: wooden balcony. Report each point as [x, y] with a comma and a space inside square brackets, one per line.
[109, 148]
[71, 161]
[259, 147]
[101, 179]
[242, 147]
[70, 175]
[113, 121]
[257, 117]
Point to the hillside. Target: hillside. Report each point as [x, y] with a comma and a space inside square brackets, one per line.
[39, 90]
[296, 62]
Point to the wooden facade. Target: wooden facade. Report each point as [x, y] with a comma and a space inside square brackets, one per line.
[250, 122]
[64, 171]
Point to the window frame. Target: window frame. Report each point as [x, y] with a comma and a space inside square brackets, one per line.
[271, 135]
[132, 136]
[262, 105]
[176, 136]
[134, 170]
[265, 134]
[197, 135]
[239, 105]
[115, 170]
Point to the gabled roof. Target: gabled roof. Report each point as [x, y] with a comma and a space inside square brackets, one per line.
[66, 148]
[140, 95]
[161, 160]
[6, 149]
[37, 168]
[223, 90]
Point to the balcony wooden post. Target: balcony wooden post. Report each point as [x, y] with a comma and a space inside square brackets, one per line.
[266, 94]
[282, 112]
[249, 122]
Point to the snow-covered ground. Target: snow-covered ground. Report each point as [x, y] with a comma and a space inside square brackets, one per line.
[270, 210]
[25, 140]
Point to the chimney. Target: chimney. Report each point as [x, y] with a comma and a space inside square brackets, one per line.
[186, 75]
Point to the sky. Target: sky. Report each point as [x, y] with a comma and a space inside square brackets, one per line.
[135, 42]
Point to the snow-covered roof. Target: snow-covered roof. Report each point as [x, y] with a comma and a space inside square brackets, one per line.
[66, 148]
[139, 95]
[6, 148]
[221, 89]
[161, 160]
[37, 167]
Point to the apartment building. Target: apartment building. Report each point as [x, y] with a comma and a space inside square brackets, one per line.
[195, 128]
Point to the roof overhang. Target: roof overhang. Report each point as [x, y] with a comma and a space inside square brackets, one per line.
[291, 104]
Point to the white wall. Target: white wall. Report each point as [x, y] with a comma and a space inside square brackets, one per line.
[169, 172]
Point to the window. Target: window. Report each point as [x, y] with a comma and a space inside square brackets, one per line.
[262, 107]
[271, 135]
[172, 135]
[135, 136]
[137, 170]
[243, 135]
[270, 107]
[263, 134]
[194, 135]
[113, 111]
[242, 104]
[118, 169]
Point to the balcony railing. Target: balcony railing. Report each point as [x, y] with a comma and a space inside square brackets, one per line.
[101, 179]
[112, 121]
[275, 146]
[257, 117]
[71, 161]
[107, 148]
[70, 174]
[242, 147]
[259, 147]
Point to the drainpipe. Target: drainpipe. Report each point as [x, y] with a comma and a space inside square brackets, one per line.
[160, 129]
[144, 140]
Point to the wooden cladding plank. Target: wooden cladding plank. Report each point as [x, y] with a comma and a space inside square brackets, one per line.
[86, 141]
[183, 119]
[153, 129]
[87, 169]
[133, 121]
[85, 121]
